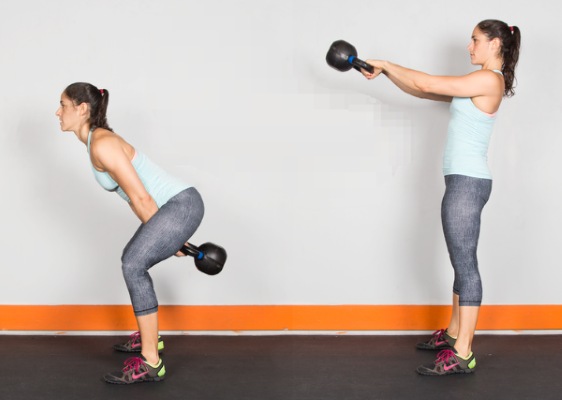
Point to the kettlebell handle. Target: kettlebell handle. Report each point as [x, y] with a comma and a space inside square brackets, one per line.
[358, 64]
[192, 251]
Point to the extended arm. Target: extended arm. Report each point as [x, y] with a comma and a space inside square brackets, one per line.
[441, 88]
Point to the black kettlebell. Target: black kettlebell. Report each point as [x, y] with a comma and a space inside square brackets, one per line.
[343, 56]
[209, 257]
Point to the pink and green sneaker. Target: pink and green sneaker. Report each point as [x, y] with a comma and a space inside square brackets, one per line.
[448, 362]
[134, 345]
[137, 370]
[439, 340]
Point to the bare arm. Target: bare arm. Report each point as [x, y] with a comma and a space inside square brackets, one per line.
[108, 154]
[442, 88]
[417, 92]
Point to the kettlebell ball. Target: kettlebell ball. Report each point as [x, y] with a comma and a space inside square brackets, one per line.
[209, 258]
[343, 56]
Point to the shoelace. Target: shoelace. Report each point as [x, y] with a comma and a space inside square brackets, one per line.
[444, 356]
[134, 337]
[133, 363]
[438, 334]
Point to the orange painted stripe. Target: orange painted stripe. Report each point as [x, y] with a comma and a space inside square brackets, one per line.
[275, 318]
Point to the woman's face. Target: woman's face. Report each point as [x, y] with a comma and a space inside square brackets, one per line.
[69, 114]
[481, 48]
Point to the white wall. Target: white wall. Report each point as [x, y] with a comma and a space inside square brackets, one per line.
[323, 187]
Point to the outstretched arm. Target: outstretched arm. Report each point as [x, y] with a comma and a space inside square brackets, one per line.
[440, 88]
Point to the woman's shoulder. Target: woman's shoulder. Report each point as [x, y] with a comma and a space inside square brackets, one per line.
[102, 137]
[99, 133]
[106, 142]
[491, 82]
[487, 74]
[491, 76]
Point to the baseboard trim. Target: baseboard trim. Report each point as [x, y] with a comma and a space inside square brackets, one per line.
[235, 318]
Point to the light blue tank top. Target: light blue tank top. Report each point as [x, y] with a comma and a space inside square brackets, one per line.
[468, 138]
[160, 185]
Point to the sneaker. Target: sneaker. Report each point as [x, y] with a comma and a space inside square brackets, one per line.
[448, 362]
[137, 370]
[439, 340]
[134, 345]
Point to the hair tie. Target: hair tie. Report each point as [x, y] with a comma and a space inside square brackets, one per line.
[511, 29]
[101, 90]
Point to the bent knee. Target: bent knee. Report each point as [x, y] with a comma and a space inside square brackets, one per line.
[132, 266]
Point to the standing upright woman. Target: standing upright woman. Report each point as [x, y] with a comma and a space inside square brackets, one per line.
[170, 212]
[475, 99]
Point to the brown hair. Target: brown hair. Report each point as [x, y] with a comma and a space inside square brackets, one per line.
[510, 38]
[97, 99]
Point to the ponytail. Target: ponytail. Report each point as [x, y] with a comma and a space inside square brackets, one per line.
[99, 119]
[97, 100]
[510, 38]
[510, 58]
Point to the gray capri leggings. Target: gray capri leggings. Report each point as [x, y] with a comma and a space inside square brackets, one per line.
[160, 238]
[461, 209]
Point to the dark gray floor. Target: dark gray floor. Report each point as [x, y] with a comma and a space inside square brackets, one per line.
[281, 367]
